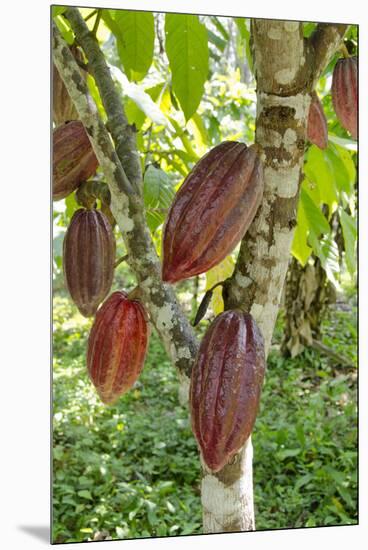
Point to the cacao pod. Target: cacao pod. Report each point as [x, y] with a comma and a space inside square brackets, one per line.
[226, 385]
[344, 93]
[117, 346]
[88, 259]
[74, 160]
[212, 210]
[62, 105]
[317, 124]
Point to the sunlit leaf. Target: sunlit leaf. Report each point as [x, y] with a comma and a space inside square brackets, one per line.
[158, 192]
[187, 50]
[135, 34]
[219, 273]
[316, 220]
[320, 173]
[349, 231]
[58, 10]
[300, 248]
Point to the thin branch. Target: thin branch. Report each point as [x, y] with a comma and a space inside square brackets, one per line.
[121, 260]
[92, 14]
[97, 22]
[325, 40]
[337, 357]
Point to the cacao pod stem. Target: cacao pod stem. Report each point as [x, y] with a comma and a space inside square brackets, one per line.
[205, 302]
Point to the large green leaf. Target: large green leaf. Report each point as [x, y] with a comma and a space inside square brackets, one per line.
[187, 50]
[343, 179]
[316, 220]
[135, 35]
[349, 231]
[322, 185]
[300, 248]
[158, 192]
[244, 39]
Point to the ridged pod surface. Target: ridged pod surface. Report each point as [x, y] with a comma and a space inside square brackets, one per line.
[344, 93]
[62, 106]
[73, 160]
[117, 346]
[88, 259]
[212, 210]
[317, 124]
[226, 385]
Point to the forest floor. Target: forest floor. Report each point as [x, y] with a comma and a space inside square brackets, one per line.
[131, 470]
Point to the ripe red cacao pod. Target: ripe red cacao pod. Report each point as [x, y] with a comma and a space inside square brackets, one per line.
[62, 105]
[344, 93]
[317, 124]
[117, 346]
[74, 160]
[88, 259]
[212, 210]
[226, 385]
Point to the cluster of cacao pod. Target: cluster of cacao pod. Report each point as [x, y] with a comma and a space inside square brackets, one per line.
[119, 336]
[210, 214]
[344, 93]
[118, 339]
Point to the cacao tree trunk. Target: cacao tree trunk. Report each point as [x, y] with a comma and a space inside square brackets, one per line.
[286, 68]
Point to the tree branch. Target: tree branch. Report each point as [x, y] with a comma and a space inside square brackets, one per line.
[126, 204]
[122, 133]
[324, 42]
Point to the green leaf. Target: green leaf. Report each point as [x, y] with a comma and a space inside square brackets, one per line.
[158, 192]
[300, 248]
[343, 142]
[135, 35]
[219, 26]
[322, 185]
[341, 174]
[216, 40]
[71, 205]
[349, 231]
[287, 453]
[85, 494]
[65, 30]
[244, 33]
[58, 10]
[316, 220]
[187, 50]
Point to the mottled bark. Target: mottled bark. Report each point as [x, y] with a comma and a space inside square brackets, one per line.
[284, 66]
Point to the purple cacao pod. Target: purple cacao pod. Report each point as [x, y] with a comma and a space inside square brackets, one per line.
[212, 210]
[117, 346]
[74, 160]
[344, 93]
[317, 124]
[226, 385]
[88, 259]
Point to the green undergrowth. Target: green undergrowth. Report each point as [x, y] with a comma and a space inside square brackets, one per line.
[131, 470]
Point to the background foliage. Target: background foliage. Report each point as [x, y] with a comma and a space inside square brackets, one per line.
[132, 470]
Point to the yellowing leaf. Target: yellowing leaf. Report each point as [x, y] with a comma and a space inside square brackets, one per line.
[219, 273]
